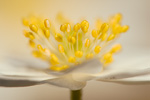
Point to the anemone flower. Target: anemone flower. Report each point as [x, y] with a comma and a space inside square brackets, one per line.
[75, 54]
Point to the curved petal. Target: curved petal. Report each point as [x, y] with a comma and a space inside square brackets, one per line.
[66, 81]
[144, 79]
[19, 74]
[138, 68]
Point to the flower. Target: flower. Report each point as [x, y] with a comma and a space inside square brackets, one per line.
[75, 54]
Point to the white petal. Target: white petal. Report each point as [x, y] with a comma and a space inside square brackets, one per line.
[19, 74]
[87, 69]
[144, 79]
[67, 82]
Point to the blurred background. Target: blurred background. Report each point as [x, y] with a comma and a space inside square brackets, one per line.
[136, 14]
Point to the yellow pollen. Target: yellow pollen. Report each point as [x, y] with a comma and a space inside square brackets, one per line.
[54, 59]
[87, 43]
[118, 17]
[61, 48]
[31, 43]
[72, 60]
[40, 48]
[116, 48]
[68, 28]
[104, 28]
[47, 52]
[111, 37]
[72, 39]
[29, 35]
[33, 27]
[57, 68]
[47, 33]
[89, 56]
[76, 27]
[94, 33]
[26, 34]
[97, 49]
[84, 29]
[107, 56]
[25, 22]
[104, 36]
[58, 37]
[63, 28]
[125, 28]
[47, 23]
[79, 54]
[85, 23]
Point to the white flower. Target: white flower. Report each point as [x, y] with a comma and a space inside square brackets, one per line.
[78, 58]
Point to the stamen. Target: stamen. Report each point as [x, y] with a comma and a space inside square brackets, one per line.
[47, 33]
[89, 56]
[57, 68]
[72, 60]
[61, 48]
[54, 59]
[31, 43]
[33, 28]
[111, 37]
[116, 48]
[73, 46]
[58, 37]
[97, 49]
[79, 54]
[87, 43]
[47, 23]
[94, 33]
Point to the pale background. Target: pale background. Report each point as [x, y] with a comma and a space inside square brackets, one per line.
[136, 14]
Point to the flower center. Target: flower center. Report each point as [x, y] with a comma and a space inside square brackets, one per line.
[73, 43]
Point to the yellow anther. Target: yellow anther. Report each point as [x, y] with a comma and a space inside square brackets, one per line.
[108, 61]
[54, 59]
[25, 22]
[104, 28]
[33, 27]
[89, 56]
[61, 48]
[125, 28]
[79, 54]
[40, 48]
[104, 36]
[74, 34]
[31, 43]
[118, 17]
[47, 23]
[47, 33]
[36, 54]
[87, 43]
[47, 51]
[63, 28]
[107, 56]
[26, 34]
[72, 39]
[97, 49]
[116, 48]
[76, 27]
[85, 23]
[68, 29]
[58, 37]
[31, 36]
[94, 33]
[84, 29]
[72, 60]
[57, 68]
[117, 28]
[111, 37]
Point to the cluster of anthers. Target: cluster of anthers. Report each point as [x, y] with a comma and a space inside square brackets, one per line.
[73, 44]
